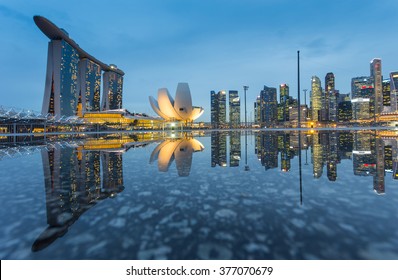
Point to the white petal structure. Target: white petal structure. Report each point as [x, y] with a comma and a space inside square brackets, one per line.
[180, 109]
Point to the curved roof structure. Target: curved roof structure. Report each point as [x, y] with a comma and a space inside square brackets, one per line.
[55, 33]
[178, 109]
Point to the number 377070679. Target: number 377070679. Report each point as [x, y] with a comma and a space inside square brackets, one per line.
[245, 270]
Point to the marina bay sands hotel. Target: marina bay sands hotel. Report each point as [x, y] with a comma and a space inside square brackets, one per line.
[73, 77]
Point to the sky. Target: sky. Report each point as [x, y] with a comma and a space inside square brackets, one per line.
[210, 44]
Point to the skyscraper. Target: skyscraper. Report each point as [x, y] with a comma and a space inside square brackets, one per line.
[362, 98]
[218, 109]
[269, 110]
[394, 91]
[331, 98]
[257, 111]
[376, 76]
[284, 102]
[234, 109]
[316, 98]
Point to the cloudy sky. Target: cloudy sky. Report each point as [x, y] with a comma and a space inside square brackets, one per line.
[211, 44]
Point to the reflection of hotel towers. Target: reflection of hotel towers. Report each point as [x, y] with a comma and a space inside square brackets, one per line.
[73, 77]
[267, 149]
[73, 185]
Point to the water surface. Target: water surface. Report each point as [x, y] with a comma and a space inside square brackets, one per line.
[214, 195]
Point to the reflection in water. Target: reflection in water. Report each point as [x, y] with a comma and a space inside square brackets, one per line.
[81, 173]
[74, 181]
[178, 149]
[372, 153]
[218, 148]
[219, 140]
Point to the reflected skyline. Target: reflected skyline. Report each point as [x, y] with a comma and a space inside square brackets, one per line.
[81, 173]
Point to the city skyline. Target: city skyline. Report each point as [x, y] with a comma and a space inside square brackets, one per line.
[158, 44]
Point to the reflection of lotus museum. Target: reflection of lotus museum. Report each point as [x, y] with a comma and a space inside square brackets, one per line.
[73, 85]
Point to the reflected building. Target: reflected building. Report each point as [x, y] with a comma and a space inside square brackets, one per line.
[218, 149]
[332, 156]
[317, 156]
[364, 159]
[378, 179]
[286, 152]
[267, 150]
[112, 165]
[179, 149]
[345, 145]
[234, 149]
[73, 185]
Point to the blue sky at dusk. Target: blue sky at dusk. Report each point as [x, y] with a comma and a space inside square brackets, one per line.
[211, 44]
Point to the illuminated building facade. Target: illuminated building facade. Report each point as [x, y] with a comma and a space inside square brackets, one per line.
[284, 103]
[329, 99]
[219, 109]
[89, 85]
[394, 91]
[344, 111]
[376, 76]
[268, 105]
[234, 109]
[316, 98]
[362, 98]
[257, 111]
[61, 88]
[113, 90]
[386, 89]
[73, 77]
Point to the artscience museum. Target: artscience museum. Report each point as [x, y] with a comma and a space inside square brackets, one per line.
[179, 109]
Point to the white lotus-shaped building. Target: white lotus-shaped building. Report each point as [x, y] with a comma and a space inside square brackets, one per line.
[180, 109]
